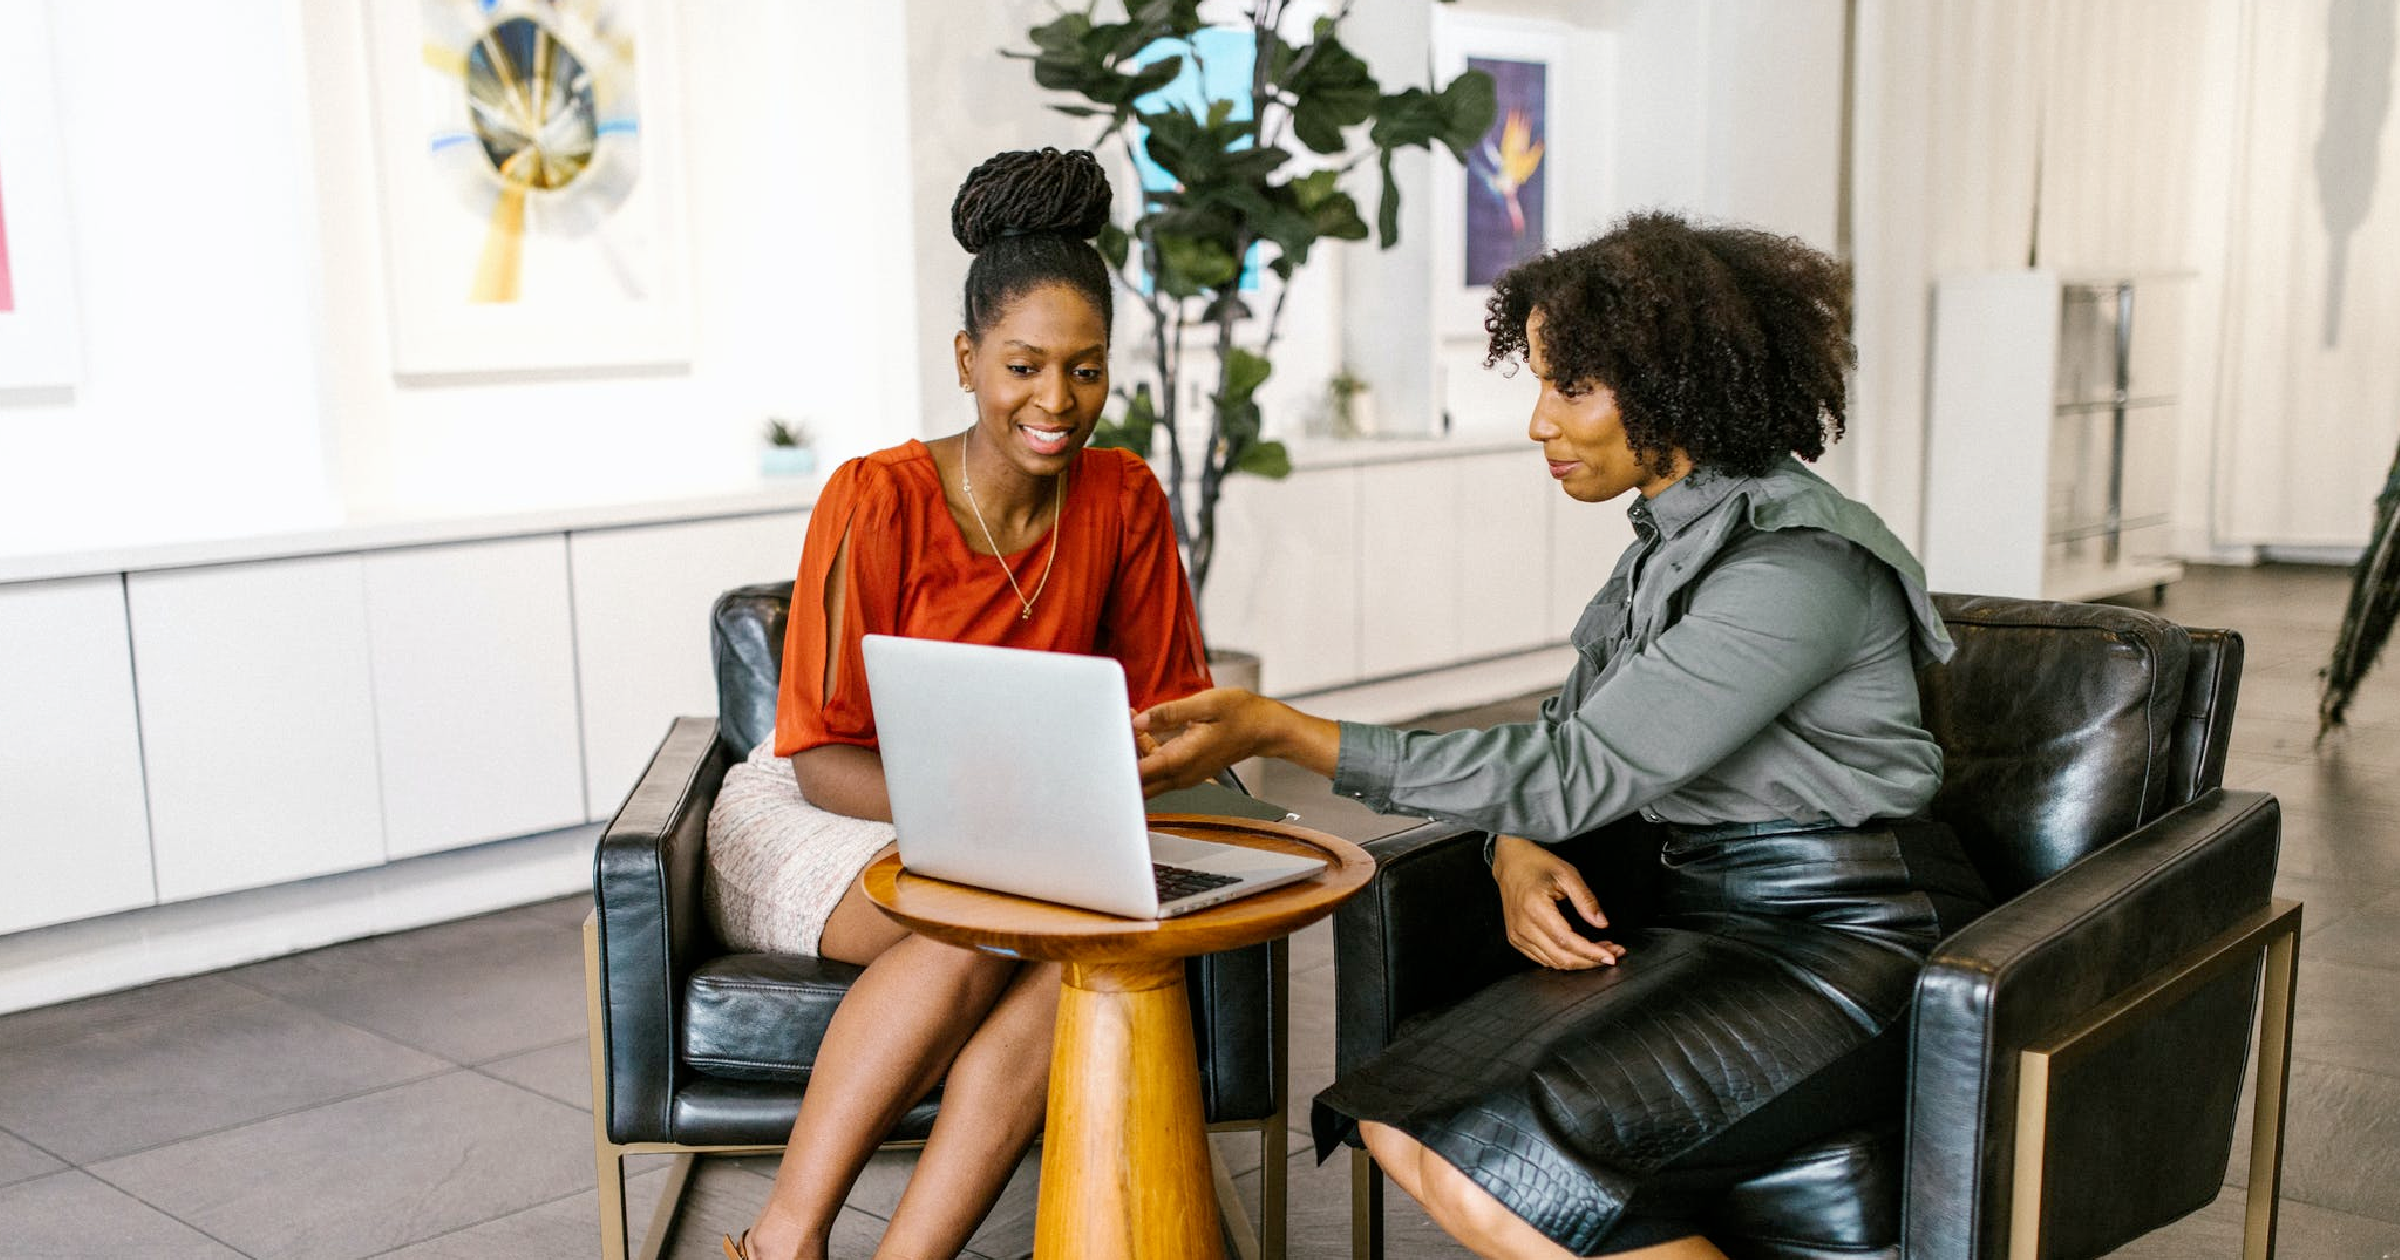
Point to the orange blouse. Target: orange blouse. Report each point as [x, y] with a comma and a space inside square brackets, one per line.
[1118, 588]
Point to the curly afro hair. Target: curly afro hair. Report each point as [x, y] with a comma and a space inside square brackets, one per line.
[1728, 344]
[1026, 216]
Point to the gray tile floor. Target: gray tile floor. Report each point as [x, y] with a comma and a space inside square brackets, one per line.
[425, 1094]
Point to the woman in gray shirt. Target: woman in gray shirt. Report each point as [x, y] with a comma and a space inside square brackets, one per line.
[1746, 681]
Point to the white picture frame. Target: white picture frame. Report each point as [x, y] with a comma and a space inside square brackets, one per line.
[40, 345]
[1459, 40]
[508, 257]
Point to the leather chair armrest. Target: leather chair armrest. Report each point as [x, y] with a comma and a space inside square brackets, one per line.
[2035, 966]
[1423, 934]
[646, 888]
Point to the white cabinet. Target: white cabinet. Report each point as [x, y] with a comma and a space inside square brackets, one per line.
[1585, 541]
[1503, 564]
[474, 684]
[1286, 581]
[1351, 572]
[642, 597]
[74, 830]
[1408, 556]
[258, 723]
[2048, 452]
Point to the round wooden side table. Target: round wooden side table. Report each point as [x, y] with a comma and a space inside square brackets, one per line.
[1125, 1147]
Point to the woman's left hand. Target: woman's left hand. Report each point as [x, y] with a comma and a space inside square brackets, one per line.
[1194, 738]
[1533, 881]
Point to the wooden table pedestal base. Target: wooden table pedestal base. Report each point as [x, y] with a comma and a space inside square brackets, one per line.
[1125, 1151]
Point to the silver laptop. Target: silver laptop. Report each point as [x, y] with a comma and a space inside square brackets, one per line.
[1014, 770]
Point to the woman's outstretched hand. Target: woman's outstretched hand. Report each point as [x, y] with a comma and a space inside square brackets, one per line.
[1194, 738]
[1533, 881]
[1199, 735]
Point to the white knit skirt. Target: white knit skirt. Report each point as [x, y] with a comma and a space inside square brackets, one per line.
[777, 865]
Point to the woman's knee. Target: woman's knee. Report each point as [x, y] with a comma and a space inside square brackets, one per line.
[1455, 1200]
[856, 932]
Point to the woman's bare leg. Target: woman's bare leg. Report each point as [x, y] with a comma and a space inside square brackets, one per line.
[894, 1035]
[993, 1103]
[1471, 1215]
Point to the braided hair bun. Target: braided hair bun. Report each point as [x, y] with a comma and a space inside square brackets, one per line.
[1028, 217]
[1030, 191]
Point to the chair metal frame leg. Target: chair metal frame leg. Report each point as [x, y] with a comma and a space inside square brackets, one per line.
[2271, 936]
[1366, 1207]
[1265, 1241]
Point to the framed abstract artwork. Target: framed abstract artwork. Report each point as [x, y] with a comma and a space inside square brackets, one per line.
[1500, 207]
[39, 343]
[533, 197]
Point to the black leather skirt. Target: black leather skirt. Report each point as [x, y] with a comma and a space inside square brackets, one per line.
[1762, 1005]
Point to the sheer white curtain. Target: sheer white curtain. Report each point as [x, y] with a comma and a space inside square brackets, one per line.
[2082, 136]
[2310, 397]
[1943, 177]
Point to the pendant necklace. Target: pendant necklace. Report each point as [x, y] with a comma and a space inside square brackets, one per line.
[1058, 503]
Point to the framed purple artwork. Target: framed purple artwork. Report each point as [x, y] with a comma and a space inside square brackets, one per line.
[1506, 189]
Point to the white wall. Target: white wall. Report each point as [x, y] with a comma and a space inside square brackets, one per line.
[1722, 109]
[191, 258]
[234, 316]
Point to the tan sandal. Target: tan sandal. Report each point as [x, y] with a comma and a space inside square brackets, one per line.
[736, 1248]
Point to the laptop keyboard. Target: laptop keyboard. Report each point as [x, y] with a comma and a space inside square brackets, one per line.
[1183, 881]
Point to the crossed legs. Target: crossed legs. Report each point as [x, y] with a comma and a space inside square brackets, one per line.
[1468, 1213]
[924, 1013]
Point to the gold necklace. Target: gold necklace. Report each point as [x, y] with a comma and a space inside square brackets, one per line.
[1058, 506]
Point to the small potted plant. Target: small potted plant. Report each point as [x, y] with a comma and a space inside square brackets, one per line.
[1349, 405]
[788, 452]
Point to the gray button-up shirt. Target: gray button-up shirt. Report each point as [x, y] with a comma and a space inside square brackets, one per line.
[1753, 657]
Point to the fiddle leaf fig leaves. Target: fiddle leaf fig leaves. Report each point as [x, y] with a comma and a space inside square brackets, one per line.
[1133, 431]
[1253, 157]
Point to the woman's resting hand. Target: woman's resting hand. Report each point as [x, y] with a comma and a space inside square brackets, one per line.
[1533, 880]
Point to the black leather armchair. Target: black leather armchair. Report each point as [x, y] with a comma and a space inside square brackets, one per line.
[698, 1050]
[2077, 1054]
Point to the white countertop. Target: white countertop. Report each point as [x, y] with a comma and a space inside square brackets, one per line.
[1310, 453]
[373, 531]
[336, 532]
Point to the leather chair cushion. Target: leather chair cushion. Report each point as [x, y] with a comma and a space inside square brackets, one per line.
[711, 1112]
[1836, 1197]
[2057, 724]
[759, 1017]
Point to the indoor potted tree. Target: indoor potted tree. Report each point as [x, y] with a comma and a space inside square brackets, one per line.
[1237, 187]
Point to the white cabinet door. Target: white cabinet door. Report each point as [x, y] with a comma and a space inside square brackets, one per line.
[74, 828]
[1504, 554]
[1585, 541]
[1408, 558]
[258, 723]
[474, 671]
[1286, 583]
[641, 630]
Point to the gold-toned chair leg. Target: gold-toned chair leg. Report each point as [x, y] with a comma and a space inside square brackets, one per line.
[1229, 1208]
[2265, 1197]
[1273, 1164]
[613, 1243]
[1274, 1141]
[670, 1203]
[1366, 1207]
[611, 1160]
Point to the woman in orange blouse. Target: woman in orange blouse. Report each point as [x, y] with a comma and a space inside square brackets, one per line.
[1010, 533]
